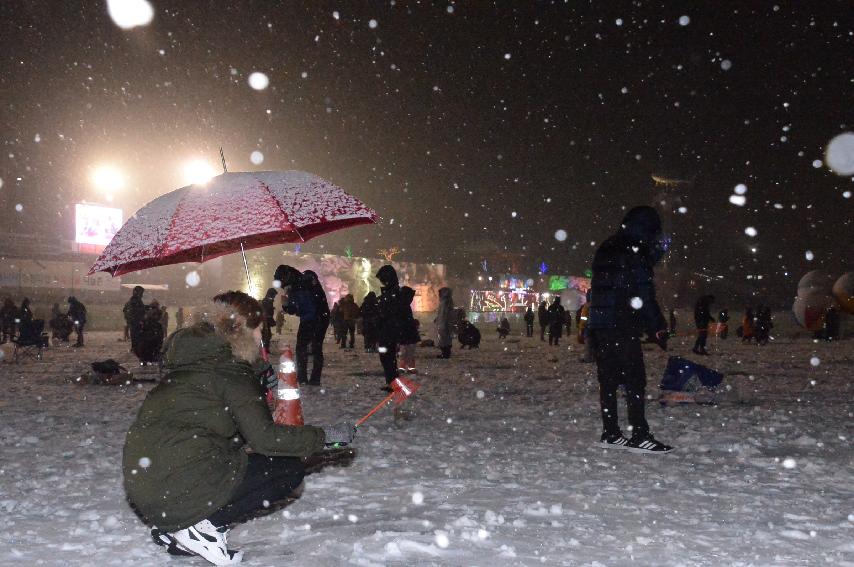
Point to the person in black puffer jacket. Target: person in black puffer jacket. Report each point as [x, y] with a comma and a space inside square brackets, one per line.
[395, 317]
[623, 307]
[306, 300]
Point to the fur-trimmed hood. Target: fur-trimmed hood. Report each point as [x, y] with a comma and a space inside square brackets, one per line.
[215, 331]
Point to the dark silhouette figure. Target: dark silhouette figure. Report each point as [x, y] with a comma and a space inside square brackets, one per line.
[529, 322]
[543, 319]
[623, 306]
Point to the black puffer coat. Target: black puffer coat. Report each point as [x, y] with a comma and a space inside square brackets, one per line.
[623, 292]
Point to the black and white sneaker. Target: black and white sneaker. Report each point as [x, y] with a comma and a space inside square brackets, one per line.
[647, 444]
[613, 441]
[205, 540]
[172, 546]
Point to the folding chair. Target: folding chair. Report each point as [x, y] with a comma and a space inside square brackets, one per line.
[31, 341]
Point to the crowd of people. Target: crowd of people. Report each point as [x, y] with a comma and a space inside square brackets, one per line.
[19, 324]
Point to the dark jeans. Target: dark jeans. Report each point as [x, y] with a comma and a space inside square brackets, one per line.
[78, 328]
[266, 336]
[543, 331]
[529, 329]
[702, 335]
[619, 360]
[310, 333]
[389, 361]
[268, 479]
[348, 327]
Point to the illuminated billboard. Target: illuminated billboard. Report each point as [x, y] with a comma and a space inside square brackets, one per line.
[95, 224]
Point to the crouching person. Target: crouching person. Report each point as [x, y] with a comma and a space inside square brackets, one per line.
[186, 469]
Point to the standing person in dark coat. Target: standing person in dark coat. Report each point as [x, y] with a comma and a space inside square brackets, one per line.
[134, 312]
[503, 328]
[149, 340]
[8, 314]
[529, 322]
[409, 334]
[702, 318]
[763, 324]
[268, 318]
[392, 316]
[349, 312]
[445, 322]
[556, 314]
[369, 312]
[25, 314]
[306, 300]
[543, 319]
[77, 314]
[337, 323]
[723, 324]
[622, 307]
[567, 319]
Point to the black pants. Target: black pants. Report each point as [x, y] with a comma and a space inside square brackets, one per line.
[388, 358]
[78, 328]
[619, 360]
[268, 479]
[554, 335]
[702, 335]
[266, 336]
[529, 329]
[310, 333]
[348, 327]
[543, 332]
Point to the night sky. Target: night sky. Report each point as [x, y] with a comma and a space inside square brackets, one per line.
[470, 127]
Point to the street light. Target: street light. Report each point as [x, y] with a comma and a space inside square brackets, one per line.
[198, 172]
[108, 178]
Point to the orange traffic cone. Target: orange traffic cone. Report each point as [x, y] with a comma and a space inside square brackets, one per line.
[288, 405]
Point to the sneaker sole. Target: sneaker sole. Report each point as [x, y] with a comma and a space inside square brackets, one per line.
[611, 445]
[647, 451]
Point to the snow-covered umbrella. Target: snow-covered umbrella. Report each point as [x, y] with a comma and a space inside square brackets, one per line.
[230, 213]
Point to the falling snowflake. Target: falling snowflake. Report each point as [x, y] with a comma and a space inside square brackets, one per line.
[256, 157]
[442, 540]
[480, 394]
[839, 154]
[816, 163]
[636, 303]
[129, 14]
[750, 231]
[815, 361]
[740, 189]
[619, 21]
[373, 24]
[726, 64]
[809, 255]
[789, 463]
[193, 278]
[336, 15]
[560, 235]
[684, 20]
[417, 498]
[19, 207]
[258, 81]
[738, 200]
[145, 462]
[507, 56]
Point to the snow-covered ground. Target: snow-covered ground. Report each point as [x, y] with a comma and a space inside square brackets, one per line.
[493, 463]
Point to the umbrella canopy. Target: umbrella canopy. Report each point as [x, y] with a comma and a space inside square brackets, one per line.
[232, 211]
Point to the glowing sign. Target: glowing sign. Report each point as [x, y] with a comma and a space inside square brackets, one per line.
[95, 224]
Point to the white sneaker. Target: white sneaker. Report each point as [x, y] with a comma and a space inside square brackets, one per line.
[205, 540]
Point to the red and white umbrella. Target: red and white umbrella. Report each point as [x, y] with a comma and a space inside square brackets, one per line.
[230, 213]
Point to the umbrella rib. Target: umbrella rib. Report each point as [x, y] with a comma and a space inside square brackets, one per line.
[284, 214]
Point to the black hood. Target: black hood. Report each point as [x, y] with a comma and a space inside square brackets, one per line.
[642, 224]
[387, 276]
[287, 275]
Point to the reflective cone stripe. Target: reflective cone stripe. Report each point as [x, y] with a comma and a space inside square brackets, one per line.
[288, 405]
